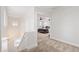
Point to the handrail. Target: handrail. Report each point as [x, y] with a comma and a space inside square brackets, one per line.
[22, 39]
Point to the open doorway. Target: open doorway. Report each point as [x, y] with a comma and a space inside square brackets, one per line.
[43, 23]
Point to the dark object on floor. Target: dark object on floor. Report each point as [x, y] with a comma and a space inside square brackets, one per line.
[43, 31]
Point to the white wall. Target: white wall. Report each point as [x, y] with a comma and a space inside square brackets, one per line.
[25, 18]
[29, 19]
[2, 20]
[65, 24]
[3, 29]
[0, 28]
[44, 22]
[43, 12]
[30, 40]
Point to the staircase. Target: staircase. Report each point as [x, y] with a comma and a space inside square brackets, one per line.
[28, 41]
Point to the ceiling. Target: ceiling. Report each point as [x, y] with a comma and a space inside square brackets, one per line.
[17, 11]
[22, 10]
[45, 8]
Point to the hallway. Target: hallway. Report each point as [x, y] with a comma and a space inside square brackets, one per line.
[19, 26]
[44, 44]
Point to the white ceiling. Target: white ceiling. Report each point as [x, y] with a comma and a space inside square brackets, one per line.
[45, 8]
[21, 10]
[17, 11]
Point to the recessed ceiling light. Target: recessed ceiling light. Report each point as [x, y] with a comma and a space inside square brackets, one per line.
[14, 24]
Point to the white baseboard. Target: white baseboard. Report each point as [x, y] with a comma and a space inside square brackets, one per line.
[70, 43]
